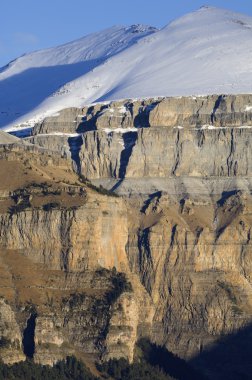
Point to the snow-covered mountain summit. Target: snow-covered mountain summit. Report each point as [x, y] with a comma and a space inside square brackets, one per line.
[95, 46]
[33, 78]
[208, 51]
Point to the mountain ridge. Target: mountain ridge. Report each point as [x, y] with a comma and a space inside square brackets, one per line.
[204, 52]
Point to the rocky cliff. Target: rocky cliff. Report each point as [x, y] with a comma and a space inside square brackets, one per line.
[155, 138]
[66, 286]
[168, 259]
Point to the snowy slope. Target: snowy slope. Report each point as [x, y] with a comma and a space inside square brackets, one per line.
[32, 78]
[208, 51]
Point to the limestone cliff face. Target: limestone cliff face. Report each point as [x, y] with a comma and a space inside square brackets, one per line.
[124, 114]
[194, 262]
[65, 277]
[122, 329]
[216, 110]
[66, 121]
[201, 137]
[93, 235]
[10, 335]
[160, 153]
[180, 233]
[100, 154]
[198, 153]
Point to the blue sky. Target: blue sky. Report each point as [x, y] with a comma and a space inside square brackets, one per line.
[28, 25]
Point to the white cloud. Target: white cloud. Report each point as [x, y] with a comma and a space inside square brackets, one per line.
[25, 38]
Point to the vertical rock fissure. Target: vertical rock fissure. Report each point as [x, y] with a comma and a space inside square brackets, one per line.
[146, 265]
[230, 157]
[178, 149]
[28, 336]
[75, 144]
[216, 106]
[200, 137]
[155, 197]
[173, 234]
[129, 140]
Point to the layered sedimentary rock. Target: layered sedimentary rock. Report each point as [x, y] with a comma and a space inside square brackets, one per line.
[65, 277]
[217, 110]
[94, 234]
[194, 259]
[180, 233]
[156, 138]
[161, 153]
[11, 350]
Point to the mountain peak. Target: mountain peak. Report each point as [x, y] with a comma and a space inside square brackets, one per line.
[141, 28]
[204, 52]
[206, 7]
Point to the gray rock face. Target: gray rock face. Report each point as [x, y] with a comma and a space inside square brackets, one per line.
[216, 110]
[165, 152]
[196, 153]
[67, 145]
[199, 137]
[182, 233]
[10, 335]
[124, 114]
[6, 139]
[66, 121]
[101, 154]
[219, 111]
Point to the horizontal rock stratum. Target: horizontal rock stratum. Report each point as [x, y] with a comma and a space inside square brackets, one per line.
[171, 223]
[154, 139]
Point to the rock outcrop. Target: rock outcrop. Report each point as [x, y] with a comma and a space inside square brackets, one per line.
[215, 110]
[11, 337]
[159, 138]
[66, 284]
[93, 235]
[176, 243]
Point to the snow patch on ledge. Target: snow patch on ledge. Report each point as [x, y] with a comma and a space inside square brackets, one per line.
[207, 126]
[59, 134]
[120, 130]
[122, 109]
[248, 108]
[218, 128]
